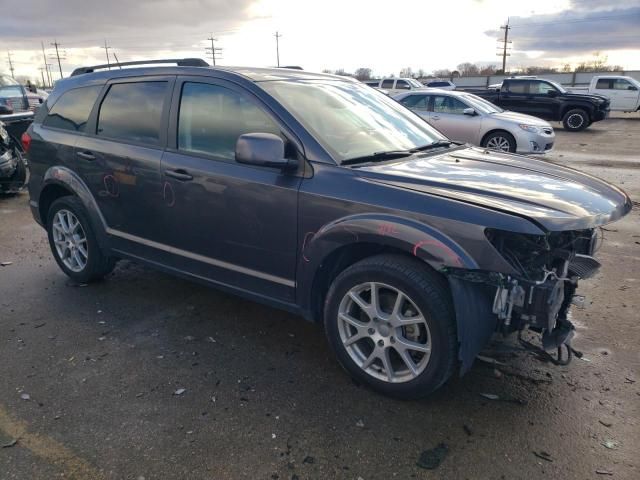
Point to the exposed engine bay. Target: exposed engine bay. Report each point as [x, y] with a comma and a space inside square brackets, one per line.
[13, 166]
[539, 295]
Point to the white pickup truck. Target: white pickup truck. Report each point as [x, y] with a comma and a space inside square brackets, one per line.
[624, 92]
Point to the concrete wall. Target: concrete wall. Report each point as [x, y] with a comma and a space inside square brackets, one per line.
[567, 79]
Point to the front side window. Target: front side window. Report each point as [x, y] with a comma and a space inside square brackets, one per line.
[621, 84]
[402, 85]
[387, 83]
[133, 112]
[351, 120]
[541, 88]
[415, 102]
[212, 117]
[445, 104]
[72, 109]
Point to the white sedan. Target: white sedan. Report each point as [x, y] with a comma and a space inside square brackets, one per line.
[471, 119]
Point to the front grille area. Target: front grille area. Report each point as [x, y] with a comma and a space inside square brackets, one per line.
[548, 146]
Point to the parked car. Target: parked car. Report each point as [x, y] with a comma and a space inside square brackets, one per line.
[15, 111]
[548, 100]
[441, 84]
[13, 166]
[623, 92]
[468, 118]
[396, 85]
[321, 196]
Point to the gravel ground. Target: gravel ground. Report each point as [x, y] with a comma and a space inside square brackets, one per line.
[149, 376]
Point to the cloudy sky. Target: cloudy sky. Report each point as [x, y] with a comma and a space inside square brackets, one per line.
[316, 35]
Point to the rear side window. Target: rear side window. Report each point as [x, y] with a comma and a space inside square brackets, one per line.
[211, 119]
[387, 83]
[516, 87]
[415, 102]
[438, 84]
[133, 112]
[604, 84]
[72, 109]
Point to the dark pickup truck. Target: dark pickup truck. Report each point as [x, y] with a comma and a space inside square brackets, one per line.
[548, 100]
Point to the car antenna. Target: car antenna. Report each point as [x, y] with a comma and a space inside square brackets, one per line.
[117, 61]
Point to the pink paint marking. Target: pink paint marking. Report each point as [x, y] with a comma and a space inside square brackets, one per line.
[452, 256]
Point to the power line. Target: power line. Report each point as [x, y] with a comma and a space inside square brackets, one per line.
[213, 50]
[505, 46]
[278, 36]
[577, 20]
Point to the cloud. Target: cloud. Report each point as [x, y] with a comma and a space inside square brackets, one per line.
[588, 26]
[132, 23]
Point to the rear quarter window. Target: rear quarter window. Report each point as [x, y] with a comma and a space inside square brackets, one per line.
[72, 109]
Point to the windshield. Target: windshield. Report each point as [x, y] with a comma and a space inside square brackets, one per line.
[481, 105]
[351, 120]
[560, 88]
[415, 83]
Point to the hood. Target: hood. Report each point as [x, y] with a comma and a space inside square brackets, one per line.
[555, 198]
[595, 98]
[520, 118]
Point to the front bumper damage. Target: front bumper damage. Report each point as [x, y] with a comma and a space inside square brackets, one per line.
[489, 302]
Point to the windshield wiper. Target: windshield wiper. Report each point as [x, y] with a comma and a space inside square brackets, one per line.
[378, 156]
[436, 144]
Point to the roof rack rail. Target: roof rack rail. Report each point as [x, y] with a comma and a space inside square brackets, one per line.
[181, 62]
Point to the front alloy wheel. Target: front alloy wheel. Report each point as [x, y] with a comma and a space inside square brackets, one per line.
[384, 332]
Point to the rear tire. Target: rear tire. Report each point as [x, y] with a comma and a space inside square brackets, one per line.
[73, 242]
[575, 120]
[501, 141]
[384, 345]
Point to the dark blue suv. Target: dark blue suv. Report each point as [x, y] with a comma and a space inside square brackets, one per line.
[319, 195]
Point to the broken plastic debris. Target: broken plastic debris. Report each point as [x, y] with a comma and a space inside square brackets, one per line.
[180, 391]
[490, 361]
[431, 459]
[543, 455]
[604, 472]
[189, 338]
[25, 396]
[10, 444]
[490, 396]
[273, 435]
[360, 424]
[610, 444]
[211, 340]
[5, 264]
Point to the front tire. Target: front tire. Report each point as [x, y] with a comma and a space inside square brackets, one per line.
[391, 323]
[575, 120]
[73, 242]
[500, 141]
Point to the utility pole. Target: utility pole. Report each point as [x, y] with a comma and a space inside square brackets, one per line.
[44, 57]
[10, 63]
[44, 85]
[213, 50]
[56, 44]
[106, 50]
[278, 35]
[505, 46]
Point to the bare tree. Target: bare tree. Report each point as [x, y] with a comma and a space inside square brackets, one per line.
[467, 69]
[488, 70]
[363, 73]
[406, 72]
[442, 73]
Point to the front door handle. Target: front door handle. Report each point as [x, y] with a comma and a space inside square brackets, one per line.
[179, 174]
[435, 117]
[86, 155]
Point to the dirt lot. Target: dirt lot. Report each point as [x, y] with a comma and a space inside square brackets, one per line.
[89, 375]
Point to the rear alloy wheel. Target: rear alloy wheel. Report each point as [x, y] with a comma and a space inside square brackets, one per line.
[391, 323]
[500, 141]
[73, 242]
[575, 120]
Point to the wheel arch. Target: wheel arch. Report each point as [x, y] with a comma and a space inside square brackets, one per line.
[588, 109]
[498, 130]
[342, 243]
[60, 181]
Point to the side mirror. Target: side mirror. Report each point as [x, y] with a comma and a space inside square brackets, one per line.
[632, 87]
[552, 93]
[5, 109]
[263, 150]
[469, 111]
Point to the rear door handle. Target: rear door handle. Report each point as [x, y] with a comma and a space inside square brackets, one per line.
[86, 155]
[179, 174]
[435, 117]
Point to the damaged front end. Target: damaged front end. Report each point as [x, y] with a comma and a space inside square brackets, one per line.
[537, 296]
